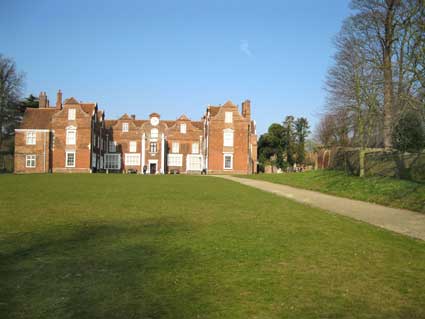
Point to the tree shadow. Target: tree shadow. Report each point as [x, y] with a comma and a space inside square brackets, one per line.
[135, 270]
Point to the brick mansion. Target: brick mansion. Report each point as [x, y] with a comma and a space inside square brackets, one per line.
[73, 136]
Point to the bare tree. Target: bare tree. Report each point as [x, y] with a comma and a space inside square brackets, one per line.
[10, 91]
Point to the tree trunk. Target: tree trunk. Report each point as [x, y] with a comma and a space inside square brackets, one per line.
[388, 73]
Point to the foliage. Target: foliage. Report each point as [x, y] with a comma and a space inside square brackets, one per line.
[127, 246]
[11, 82]
[378, 73]
[409, 132]
[284, 144]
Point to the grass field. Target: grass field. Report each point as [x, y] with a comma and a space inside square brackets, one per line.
[381, 190]
[127, 246]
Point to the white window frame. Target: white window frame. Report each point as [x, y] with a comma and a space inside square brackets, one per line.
[231, 161]
[71, 114]
[66, 158]
[133, 146]
[154, 133]
[30, 161]
[228, 117]
[183, 128]
[228, 138]
[195, 148]
[132, 159]
[175, 160]
[112, 161]
[70, 130]
[156, 148]
[31, 138]
[194, 159]
[175, 147]
[125, 127]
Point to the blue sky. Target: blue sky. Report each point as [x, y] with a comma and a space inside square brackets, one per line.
[175, 57]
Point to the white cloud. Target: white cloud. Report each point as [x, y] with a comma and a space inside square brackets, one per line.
[244, 47]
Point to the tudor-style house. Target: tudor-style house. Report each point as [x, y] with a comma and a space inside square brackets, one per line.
[75, 137]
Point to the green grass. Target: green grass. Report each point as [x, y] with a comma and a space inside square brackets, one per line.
[381, 190]
[127, 246]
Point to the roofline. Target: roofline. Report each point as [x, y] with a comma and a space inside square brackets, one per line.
[31, 129]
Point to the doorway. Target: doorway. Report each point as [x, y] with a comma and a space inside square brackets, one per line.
[152, 168]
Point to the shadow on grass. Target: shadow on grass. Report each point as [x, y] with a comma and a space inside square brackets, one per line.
[134, 270]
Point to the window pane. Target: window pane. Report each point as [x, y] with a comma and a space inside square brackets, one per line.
[154, 133]
[70, 137]
[183, 128]
[71, 114]
[133, 146]
[153, 147]
[70, 159]
[125, 127]
[228, 139]
[175, 147]
[195, 148]
[228, 117]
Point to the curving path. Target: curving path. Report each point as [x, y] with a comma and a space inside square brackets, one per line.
[398, 220]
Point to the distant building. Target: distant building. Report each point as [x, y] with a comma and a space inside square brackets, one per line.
[75, 137]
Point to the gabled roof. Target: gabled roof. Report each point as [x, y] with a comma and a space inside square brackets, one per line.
[183, 117]
[229, 103]
[71, 100]
[169, 123]
[35, 118]
[125, 117]
[214, 110]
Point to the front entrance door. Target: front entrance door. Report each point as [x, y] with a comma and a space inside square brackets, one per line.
[152, 168]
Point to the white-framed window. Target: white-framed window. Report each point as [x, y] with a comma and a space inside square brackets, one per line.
[31, 138]
[133, 146]
[194, 163]
[125, 127]
[228, 161]
[71, 136]
[70, 159]
[30, 161]
[175, 147]
[153, 147]
[112, 146]
[175, 160]
[183, 128]
[195, 148]
[154, 133]
[228, 117]
[228, 137]
[112, 161]
[71, 114]
[132, 159]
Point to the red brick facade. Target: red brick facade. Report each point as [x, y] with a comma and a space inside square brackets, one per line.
[75, 137]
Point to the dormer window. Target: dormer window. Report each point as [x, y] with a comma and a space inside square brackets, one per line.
[183, 128]
[228, 117]
[71, 114]
[125, 127]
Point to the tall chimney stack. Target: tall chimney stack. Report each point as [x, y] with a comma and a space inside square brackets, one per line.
[42, 100]
[59, 100]
[133, 116]
[246, 109]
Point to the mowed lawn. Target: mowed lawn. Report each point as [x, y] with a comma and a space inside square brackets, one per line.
[381, 190]
[127, 246]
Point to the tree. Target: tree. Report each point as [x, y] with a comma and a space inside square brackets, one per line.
[301, 133]
[289, 139]
[11, 82]
[409, 133]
